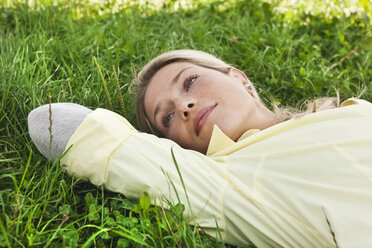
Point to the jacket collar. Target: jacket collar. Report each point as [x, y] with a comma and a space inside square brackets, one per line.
[220, 141]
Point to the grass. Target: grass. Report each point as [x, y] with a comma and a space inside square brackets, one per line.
[291, 54]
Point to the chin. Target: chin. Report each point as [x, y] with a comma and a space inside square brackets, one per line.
[199, 148]
[228, 130]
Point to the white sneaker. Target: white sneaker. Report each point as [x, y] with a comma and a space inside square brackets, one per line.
[66, 117]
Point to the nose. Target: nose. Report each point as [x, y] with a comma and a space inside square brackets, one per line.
[185, 108]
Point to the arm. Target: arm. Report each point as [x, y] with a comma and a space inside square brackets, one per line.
[108, 151]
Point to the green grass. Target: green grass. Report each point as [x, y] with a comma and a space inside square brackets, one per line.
[49, 49]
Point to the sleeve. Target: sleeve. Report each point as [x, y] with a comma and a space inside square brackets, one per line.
[362, 107]
[108, 151]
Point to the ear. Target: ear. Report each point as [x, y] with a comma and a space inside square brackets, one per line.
[240, 75]
[245, 81]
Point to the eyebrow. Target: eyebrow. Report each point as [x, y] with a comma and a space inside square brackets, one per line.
[175, 80]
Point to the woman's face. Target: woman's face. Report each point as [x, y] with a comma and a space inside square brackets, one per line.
[184, 101]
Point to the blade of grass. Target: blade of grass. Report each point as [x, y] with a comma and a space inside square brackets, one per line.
[25, 171]
[103, 82]
[4, 233]
[119, 92]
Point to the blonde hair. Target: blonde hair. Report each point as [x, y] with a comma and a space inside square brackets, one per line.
[311, 106]
[142, 80]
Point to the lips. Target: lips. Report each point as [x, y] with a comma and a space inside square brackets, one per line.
[201, 118]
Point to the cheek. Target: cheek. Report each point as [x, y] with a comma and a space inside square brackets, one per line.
[222, 89]
[178, 135]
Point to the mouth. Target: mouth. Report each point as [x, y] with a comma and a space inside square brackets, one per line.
[201, 118]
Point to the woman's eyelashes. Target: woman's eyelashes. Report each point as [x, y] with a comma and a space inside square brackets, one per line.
[189, 82]
[166, 119]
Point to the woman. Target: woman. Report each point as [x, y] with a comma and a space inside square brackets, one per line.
[266, 179]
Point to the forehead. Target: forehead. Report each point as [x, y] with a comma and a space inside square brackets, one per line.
[169, 72]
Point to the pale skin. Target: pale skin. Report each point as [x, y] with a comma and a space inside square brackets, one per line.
[184, 101]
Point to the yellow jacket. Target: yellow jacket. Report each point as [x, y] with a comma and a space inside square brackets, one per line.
[305, 182]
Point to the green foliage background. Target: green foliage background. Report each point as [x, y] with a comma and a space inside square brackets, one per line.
[47, 48]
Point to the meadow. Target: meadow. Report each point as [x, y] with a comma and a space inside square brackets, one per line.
[87, 53]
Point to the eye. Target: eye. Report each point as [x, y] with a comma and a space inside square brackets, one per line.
[167, 118]
[189, 82]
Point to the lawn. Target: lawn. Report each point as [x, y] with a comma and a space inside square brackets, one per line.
[64, 51]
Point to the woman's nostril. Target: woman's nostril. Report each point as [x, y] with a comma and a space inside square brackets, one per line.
[190, 105]
[185, 114]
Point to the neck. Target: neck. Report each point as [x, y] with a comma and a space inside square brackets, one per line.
[272, 120]
[269, 118]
